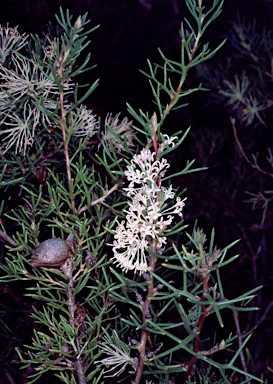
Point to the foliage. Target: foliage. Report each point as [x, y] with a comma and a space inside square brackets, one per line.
[106, 185]
[242, 95]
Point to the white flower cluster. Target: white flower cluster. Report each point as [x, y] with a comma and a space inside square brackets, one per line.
[122, 129]
[21, 131]
[26, 81]
[118, 357]
[148, 215]
[57, 53]
[10, 39]
[84, 122]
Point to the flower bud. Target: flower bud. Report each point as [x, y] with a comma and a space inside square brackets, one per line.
[78, 23]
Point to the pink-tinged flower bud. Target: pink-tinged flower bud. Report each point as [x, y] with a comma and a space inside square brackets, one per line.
[78, 23]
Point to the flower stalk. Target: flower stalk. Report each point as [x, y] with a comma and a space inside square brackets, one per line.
[66, 151]
[145, 309]
[71, 304]
[201, 320]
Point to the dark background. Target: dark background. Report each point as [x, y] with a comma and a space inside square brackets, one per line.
[130, 32]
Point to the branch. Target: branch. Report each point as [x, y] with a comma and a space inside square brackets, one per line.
[201, 320]
[100, 199]
[240, 342]
[67, 270]
[264, 316]
[253, 165]
[145, 308]
[8, 239]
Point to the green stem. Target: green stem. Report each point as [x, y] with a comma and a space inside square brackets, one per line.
[78, 364]
[66, 151]
[145, 308]
[198, 328]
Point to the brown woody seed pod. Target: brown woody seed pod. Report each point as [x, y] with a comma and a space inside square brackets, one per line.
[51, 253]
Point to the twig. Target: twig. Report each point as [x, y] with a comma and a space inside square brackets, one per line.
[201, 320]
[240, 341]
[67, 269]
[255, 165]
[9, 378]
[254, 254]
[66, 149]
[216, 348]
[175, 95]
[145, 308]
[263, 317]
[100, 199]
[8, 239]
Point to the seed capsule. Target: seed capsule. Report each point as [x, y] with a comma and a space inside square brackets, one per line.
[51, 253]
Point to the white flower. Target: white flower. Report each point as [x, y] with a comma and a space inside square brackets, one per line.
[145, 169]
[50, 49]
[19, 81]
[168, 142]
[10, 39]
[28, 79]
[57, 52]
[22, 128]
[129, 248]
[122, 129]
[78, 23]
[148, 214]
[84, 122]
[118, 356]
